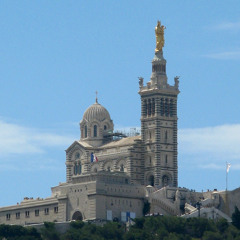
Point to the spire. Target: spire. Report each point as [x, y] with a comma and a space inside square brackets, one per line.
[96, 97]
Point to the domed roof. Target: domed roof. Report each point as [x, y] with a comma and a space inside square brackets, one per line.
[96, 111]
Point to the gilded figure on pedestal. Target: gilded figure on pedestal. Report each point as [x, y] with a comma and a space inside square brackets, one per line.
[159, 32]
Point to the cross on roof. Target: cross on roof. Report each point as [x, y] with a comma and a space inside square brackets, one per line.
[96, 97]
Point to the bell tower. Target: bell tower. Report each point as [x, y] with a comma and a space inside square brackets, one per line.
[159, 121]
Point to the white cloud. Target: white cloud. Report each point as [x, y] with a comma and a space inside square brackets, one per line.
[16, 139]
[230, 55]
[231, 27]
[30, 163]
[228, 26]
[220, 167]
[212, 166]
[210, 147]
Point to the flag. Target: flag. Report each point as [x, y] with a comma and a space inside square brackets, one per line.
[228, 167]
[94, 158]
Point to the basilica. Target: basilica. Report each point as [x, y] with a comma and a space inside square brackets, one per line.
[110, 176]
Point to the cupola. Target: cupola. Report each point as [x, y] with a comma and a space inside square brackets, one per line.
[96, 124]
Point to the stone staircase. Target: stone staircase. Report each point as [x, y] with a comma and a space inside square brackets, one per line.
[157, 198]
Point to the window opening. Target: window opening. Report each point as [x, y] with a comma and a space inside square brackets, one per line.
[165, 181]
[46, 211]
[77, 155]
[166, 135]
[79, 168]
[149, 107]
[145, 108]
[171, 108]
[95, 131]
[37, 212]
[55, 209]
[151, 180]
[162, 107]
[75, 169]
[122, 168]
[153, 106]
[166, 107]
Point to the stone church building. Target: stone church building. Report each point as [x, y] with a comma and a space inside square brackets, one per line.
[110, 176]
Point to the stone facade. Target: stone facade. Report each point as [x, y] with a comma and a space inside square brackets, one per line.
[102, 195]
[159, 126]
[31, 211]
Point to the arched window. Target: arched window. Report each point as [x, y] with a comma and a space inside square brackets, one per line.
[166, 136]
[79, 168]
[166, 159]
[149, 108]
[85, 131]
[77, 216]
[145, 108]
[151, 180]
[77, 155]
[75, 169]
[122, 168]
[95, 131]
[105, 127]
[153, 106]
[165, 181]
[171, 108]
[162, 108]
[166, 107]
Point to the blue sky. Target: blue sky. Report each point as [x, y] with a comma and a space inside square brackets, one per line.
[55, 54]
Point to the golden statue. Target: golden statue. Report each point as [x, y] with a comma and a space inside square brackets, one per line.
[159, 31]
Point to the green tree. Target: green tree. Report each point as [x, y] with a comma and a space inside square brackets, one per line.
[236, 218]
[48, 232]
[222, 225]
[175, 236]
[16, 232]
[139, 223]
[112, 231]
[174, 224]
[197, 226]
[231, 232]
[212, 236]
[77, 224]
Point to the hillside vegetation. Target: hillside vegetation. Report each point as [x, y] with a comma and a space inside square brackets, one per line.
[147, 228]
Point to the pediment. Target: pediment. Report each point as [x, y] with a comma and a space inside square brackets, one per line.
[78, 148]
